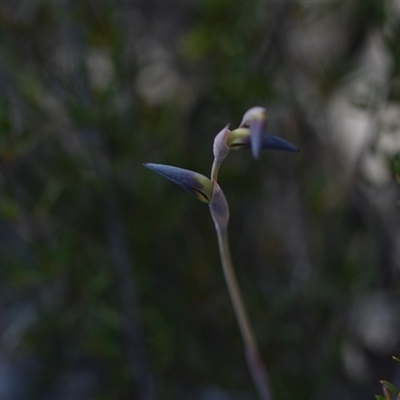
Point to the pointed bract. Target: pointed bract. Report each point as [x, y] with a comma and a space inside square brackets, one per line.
[219, 209]
[220, 148]
[197, 184]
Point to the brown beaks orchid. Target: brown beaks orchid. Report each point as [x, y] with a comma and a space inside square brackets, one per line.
[252, 133]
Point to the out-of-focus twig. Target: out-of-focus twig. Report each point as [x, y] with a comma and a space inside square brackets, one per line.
[133, 329]
[122, 261]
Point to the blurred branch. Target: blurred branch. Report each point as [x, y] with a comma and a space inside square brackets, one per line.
[133, 330]
[134, 337]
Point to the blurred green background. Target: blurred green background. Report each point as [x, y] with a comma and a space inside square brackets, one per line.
[110, 279]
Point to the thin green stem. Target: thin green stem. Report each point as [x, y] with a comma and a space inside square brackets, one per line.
[254, 361]
[220, 214]
[214, 170]
[233, 287]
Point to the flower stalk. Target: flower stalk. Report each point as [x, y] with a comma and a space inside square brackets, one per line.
[219, 210]
[251, 134]
[256, 366]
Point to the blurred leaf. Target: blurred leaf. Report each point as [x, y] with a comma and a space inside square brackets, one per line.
[197, 43]
[396, 167]
[49, 196]
[9, 208]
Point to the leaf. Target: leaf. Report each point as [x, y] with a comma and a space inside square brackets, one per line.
[9, 208]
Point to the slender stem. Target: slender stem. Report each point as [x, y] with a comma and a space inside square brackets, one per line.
[214, 170]
[254, 361]
[233, 287]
